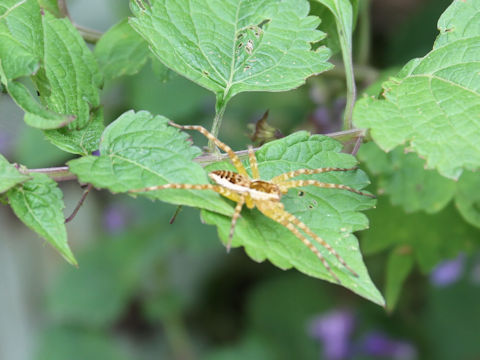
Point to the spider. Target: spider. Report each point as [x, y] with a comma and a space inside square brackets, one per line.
[262, 194]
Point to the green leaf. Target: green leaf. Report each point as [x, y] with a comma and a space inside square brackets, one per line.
[399, 265]
[329, 23]
[83, 141]
[343, 12]
[342, 28]
[467, 198]
[432, 238]
[35, 44]
[233, 46]
[20, 37]
[140, 150]
[9, 175]
[332, 214]
[403, 177]
[121, 51]
[51, 6]
[70, 81]
[38, 204]
[433, 104]
[20, 53]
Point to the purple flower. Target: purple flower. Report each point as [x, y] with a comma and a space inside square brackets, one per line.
[115, 218]
[333, 329]
[448, 272]
[377, 344]
[96, 153]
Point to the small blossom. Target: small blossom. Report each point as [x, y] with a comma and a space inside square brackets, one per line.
[377, 344]
[115, 218]
[448, 272]
[333, 329]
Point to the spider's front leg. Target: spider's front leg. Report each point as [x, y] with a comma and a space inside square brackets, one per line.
[275, 211]
[291, 174]
[216, 188]
[285, 185]
[231, 154]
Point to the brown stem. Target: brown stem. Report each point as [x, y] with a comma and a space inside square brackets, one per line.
[89, 35]
[62, 173]
[80, 203]
[62, 7]
[58, 174]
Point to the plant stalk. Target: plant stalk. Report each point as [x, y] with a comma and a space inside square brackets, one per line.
[220, 107]
[62, 173]
[346, 46]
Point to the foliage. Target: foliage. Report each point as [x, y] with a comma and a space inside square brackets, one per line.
[433, 102]
[423, 157]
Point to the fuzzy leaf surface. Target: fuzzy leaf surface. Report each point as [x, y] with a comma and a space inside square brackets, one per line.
[332, 214]
[9, 175]
[140, 150]
[38, 203]
[433, 104]
[35, 44]
[232, 46]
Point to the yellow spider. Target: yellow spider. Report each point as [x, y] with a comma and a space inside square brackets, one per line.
[262, 194]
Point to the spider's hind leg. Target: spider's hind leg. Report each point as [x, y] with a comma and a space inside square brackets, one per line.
[275, 211]
[236, 215]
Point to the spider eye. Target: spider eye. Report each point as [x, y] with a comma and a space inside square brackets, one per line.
[301, 193]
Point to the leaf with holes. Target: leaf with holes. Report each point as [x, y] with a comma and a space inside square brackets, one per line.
[234, 46]
[331, 213]
[140, 150]
[38, 204]
[433, 104]
[9, 175]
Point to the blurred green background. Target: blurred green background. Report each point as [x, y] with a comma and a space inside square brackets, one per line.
[147, 289]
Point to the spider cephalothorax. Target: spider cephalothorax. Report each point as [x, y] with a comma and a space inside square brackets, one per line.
[265, 195]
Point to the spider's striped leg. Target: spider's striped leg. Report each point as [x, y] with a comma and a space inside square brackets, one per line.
[284, 186]
[253, 163]
[236, 215]
[216, 188]
[291, 174]
[233, 157]
[318, 239]
[276, 212]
